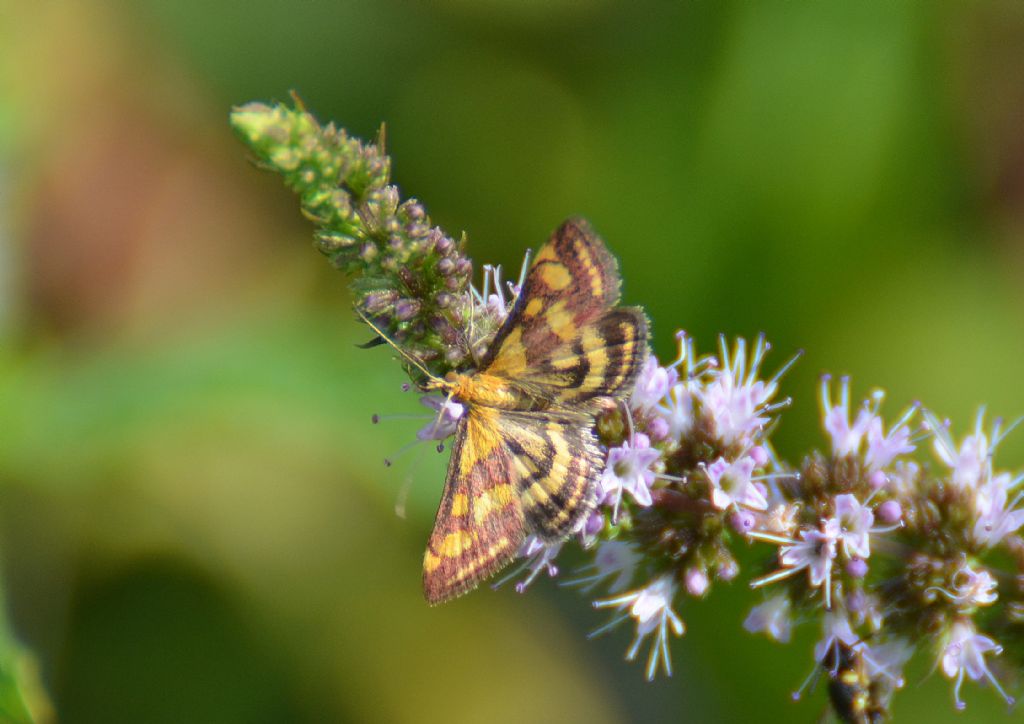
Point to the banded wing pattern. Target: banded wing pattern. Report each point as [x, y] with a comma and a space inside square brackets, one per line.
[565, 334]
[555, 463]
[479, 524]
[529, 478]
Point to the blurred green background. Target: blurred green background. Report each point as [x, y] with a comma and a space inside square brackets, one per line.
[195, 523]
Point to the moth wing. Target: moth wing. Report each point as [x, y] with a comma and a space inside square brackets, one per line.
[511, 473]
[573, 274]
[602, 360]
[557, 463]
[564, 337]
[479, 525]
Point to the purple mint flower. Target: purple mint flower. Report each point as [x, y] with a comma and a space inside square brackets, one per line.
[964, 654]
[539, 557]
[677, 409]
[781, 520]
[614, 560]
[902, 479]
[996, 519]
[885, 659]
[727, 569]
[846, 437]
[652, 385]
[836, 632]
[970, 588]
[651, 607]
[888, 659]
[588, 529]
[864, 607]
[735, 401]
[760, 455]
[772, 617]
[629, 470]
[855, 521]
[443, 426]
[731, 484]
[971, 464]
[882, 448]
[815, 552]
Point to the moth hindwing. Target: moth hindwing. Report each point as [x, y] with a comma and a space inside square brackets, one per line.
[526, 458]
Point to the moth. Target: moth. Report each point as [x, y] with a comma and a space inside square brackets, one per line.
[856, 697]
[525, 459]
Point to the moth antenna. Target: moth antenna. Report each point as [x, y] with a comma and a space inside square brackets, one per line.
[403, 496]
[408, 357]
[402, 499]
[377, 419]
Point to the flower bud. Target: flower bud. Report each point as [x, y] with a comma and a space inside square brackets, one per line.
[406, 309]
[877, 479]
[889, 512]
[696, 581]
[742, 521]
[442, 244]
[378, 302]
[857, 567]
[728, 569]
[657, 429]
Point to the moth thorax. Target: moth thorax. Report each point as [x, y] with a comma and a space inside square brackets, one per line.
[483, 389]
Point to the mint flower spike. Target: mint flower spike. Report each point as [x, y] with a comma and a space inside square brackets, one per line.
[887, 552]
[407, 275]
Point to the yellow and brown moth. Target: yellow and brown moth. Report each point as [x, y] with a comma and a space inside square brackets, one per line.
[525, 458]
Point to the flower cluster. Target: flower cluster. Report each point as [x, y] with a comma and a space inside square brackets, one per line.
[896, 550]
[898, 540]
[689, 472]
